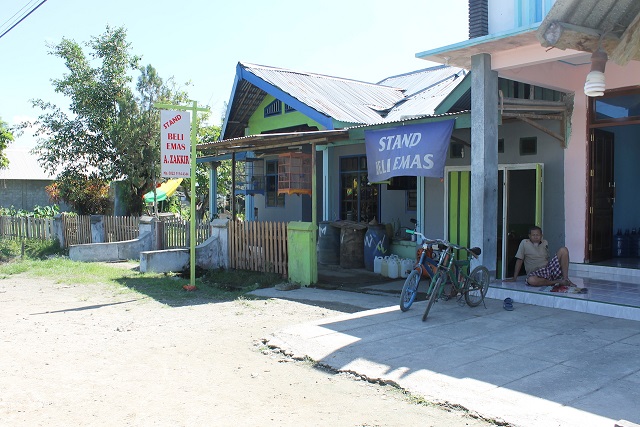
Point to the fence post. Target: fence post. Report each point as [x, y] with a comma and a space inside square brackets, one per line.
[97, 229]
[148, 224]
[58, 230]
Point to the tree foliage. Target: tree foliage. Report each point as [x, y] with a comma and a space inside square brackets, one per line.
[6, 137]
[112, 130]
[85, 194]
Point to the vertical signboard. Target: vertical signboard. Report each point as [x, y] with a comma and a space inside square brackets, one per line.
[175, 144]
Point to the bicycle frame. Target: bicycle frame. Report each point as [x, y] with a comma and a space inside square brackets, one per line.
[456, 271]
[423, 263]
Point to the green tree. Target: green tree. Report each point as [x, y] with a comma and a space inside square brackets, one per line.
[112, 131]
[6, 137]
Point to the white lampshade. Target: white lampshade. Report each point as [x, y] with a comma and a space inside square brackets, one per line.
[595, 84]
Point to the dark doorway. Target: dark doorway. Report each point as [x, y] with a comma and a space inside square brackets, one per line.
[601, 193]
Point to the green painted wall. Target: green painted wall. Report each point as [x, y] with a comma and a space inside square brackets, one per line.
[301, 246]
[258, 123]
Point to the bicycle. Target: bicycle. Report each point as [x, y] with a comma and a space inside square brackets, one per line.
[473, 286]
[424, 268]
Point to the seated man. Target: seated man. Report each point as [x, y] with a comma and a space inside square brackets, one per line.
[534, 253]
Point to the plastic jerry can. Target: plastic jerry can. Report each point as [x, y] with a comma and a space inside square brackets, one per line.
[377, 264]
[384, 267]
[393, 267]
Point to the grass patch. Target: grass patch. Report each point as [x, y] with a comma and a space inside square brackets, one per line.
[212, 286]
[28, 248]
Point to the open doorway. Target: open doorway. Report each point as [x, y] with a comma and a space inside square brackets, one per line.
[519, 207]
[613, 174]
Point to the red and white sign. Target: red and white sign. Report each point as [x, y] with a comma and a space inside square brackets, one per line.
[175, 144]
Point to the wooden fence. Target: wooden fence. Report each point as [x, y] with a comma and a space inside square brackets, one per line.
[76, 229]
[258, 246]
[176, 233]
[15, 227]
[121, 228]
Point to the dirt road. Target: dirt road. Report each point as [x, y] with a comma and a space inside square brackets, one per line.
[100, 356]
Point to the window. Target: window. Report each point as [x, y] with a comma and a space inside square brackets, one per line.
[412, 200]
[501, 145]
[358, 198]
[273, 109]
[272, 198]
[528, 146]
[288, 108]
[617, 107]
[456, 151]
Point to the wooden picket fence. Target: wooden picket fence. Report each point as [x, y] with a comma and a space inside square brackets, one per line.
[76, 229]
[16, 228]
[176, 233]
[121, 228]
[258, 246]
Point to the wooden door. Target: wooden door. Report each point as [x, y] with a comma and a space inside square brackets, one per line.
[601, 196]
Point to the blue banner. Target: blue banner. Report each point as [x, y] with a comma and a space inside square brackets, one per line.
[412, 150]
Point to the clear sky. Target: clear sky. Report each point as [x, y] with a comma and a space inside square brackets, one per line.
[202, 41]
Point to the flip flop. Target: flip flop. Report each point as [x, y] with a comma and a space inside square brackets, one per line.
[508, 304]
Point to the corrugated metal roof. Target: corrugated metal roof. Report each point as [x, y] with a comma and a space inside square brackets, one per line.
[436, 86]
[418, 81]
[23, 166]
[332, 98]
[345, 100]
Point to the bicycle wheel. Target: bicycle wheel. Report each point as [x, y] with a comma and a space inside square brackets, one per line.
[434, 291]
[476, 286]
[410, 289]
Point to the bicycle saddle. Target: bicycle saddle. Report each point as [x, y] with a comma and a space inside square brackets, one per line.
[477, 251]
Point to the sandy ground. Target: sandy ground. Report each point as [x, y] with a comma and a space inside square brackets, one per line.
[94, 355]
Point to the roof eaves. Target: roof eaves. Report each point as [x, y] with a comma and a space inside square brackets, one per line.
[282, 95]
[444, 55]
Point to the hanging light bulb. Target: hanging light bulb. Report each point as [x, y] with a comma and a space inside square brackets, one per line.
[595, 83]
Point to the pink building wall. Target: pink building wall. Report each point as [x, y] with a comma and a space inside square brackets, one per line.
[532, 64]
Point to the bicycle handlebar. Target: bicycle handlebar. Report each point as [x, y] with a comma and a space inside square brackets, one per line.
[475, 252]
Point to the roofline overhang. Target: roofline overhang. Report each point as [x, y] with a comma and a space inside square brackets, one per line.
[243, 74]
[270, 141]
[508, 50]
[278, 93]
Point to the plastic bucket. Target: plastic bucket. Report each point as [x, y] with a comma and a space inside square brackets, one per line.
[328, 243]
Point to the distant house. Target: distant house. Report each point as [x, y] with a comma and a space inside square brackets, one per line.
[22, 184]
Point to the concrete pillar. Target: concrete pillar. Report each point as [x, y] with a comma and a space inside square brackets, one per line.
[97, 229]
[58, 230]
[149, 224]
[484, 160]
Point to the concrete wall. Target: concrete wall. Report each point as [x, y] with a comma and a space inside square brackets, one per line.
[213, 253]
[23, 194]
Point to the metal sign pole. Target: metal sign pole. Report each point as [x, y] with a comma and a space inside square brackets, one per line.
[192, 229]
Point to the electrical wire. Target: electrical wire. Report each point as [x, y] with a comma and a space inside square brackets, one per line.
[21, 19]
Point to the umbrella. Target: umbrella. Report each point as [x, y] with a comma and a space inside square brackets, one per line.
[166, 189]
